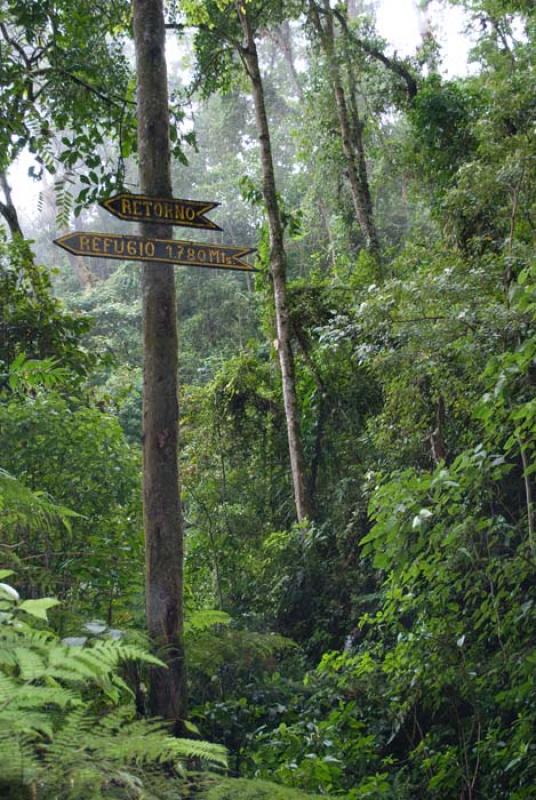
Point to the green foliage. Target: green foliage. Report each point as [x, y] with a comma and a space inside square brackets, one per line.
[441, 125]
[27, 375]
[249, 790]
[442, 665]
[236, 685]
[33, 324]
[89, 468]
[68, 727]
[19, 505]
[64, 75]
[322, 755]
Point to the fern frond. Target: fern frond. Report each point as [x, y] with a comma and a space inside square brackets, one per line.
[35, 509]
[26, 697]
[128, 652]
[29, 664]
[30, 722]
[7, 687]
[19, 763]
[205, 618]
[147, 741]
[196, 748]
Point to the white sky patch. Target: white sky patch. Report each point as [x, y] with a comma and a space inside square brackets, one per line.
[25, 190]
[452, 29]
[398, 22]
[402, 25]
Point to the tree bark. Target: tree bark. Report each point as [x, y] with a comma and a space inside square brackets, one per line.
[161, 492]
[278, 264]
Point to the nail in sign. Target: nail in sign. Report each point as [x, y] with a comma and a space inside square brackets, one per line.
[140, 208]
[167, 251]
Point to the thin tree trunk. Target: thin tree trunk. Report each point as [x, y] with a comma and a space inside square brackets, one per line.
[437, 437]
[161, 493]
[278, 261]
[8, 210]
[327, 227]
[361, 165]
[322, 405]
[282, 36]
[529, 494]
[352, 141]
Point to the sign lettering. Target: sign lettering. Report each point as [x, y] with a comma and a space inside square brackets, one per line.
[139, 208]
[166, 251]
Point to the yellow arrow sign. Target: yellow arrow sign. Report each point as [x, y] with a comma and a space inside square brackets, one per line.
[140, 208]
[167, 251]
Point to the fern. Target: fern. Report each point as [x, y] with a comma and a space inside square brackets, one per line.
[19, 763]
[203, 619]
[209, 650]
[68, 726]
[36, 510]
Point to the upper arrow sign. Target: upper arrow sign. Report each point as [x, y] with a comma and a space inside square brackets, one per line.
[139, 208]
[167, 251]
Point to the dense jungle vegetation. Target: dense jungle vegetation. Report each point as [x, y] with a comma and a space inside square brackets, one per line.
[375, 636]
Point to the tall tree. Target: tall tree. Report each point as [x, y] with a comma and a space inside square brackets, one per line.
[161, 492]
[350, 125]
[278, 264]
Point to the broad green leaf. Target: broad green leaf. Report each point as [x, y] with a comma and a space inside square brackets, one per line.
[39, 608]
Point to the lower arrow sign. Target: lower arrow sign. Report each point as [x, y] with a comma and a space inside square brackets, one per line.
[167, 251]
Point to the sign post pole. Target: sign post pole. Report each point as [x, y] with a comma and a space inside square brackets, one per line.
[162, 515]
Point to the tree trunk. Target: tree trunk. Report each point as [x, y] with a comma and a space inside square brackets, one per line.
[278, 264]
[437, 437]
[8, 210]
[351, 137]
[161, 493]
[324, 216]
[322, 407]
[361, 166]
[282, 37]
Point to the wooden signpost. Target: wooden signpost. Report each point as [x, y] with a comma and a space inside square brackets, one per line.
[163, 526]
[140, 208]
[157, 210]
[166, 251]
